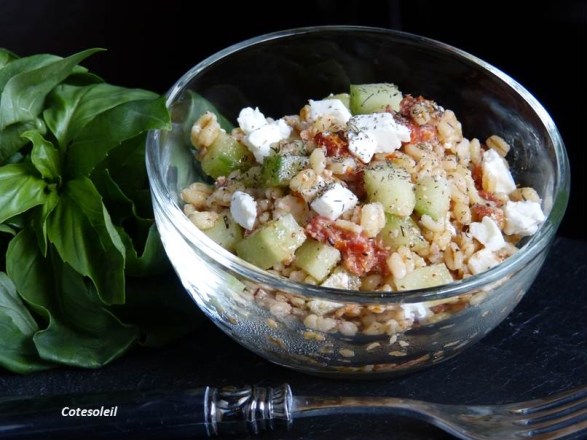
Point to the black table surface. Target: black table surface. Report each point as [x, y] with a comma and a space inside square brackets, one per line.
[541, 348]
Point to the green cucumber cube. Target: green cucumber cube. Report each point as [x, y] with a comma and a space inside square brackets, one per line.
[433, 196]
[423, 277]
[275, 242]
[317, 259]
[342, 97]
[278, 170]
[374, 98]
[391, 186]
[250, 178]
[226, 232]
[402, 231]
[225, 155]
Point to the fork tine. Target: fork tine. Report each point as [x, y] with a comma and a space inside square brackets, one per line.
[553, 417]
[553, 424]
[553, 413]
[555, 401]
[575, 428]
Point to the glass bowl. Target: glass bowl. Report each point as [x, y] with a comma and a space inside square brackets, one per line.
[278, 73]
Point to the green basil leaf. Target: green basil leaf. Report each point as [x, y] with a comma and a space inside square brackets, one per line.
[123, 212]
[44, 156]
[7, 229]
[195, 105]
[79, 78]
[125, 166]
[86, 334]
[32, 274]
[80, 331]
[85, 238]
[6, 57]
[11, 139]
[108, 129]
[145, 255]
[119, 205]
[152, 261]
[24, 94]
[39, 219]
[17, 327]
[25, 64]
[21, 188]
[71, 107]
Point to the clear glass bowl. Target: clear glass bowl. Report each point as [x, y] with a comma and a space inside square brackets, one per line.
[278, 73]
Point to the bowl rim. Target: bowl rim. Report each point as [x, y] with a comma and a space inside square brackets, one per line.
[197, 239]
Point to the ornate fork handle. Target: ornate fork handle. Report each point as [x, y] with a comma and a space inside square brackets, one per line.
[249, 409]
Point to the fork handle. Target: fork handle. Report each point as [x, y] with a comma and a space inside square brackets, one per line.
[165, 414]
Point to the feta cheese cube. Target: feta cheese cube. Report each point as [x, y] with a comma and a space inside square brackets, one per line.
[339, 280]
[362, 145]
[261, 139]
[388, 134]
[334, 201]
[482, 260]
[523, 217]
[496, 174]
[487, 233]
[243, 209]
[332, 108]
[250, 119]
[321, 307]
[415, 310]
[307, 184]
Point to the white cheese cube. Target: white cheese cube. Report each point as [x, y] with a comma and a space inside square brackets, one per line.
[388, 134]
[332, 108]
[523, 217]
[496, 174]
[243, 209]
[339, 279]
[250, 119]
[415, 310]
[260, 140]
[487, 233]
[482, 260]
[362, 145]
[320, 307]
[334, 201]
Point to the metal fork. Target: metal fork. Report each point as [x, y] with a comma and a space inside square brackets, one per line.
[554, 417]
[206, 412]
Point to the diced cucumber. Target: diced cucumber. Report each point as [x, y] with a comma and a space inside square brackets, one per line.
[278, 170]
[391, 186]
[274, 242]
[433, 196]
[342, 97]
[225, 155]
[226, 232]
[423, 277]
[317, 258]
[250, 178]
[373, 98]
[402, 231]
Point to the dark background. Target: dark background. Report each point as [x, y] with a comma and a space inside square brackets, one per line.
[152, 43]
